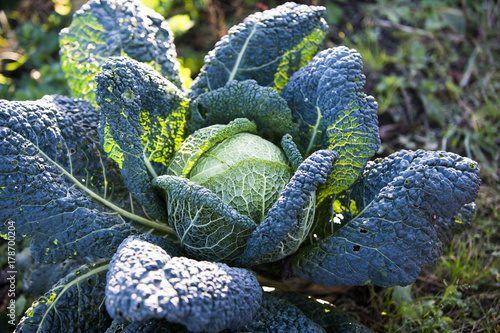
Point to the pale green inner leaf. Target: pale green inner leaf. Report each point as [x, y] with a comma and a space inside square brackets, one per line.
[238, 148]
[251, 187]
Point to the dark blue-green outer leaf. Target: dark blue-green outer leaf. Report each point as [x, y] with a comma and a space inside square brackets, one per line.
[269, 239]
[115, 327]
[280, 312]
[102, 29]
[46, 148]
[327, 101]
[447, 228]
[400, 199]
[267, 47]
[331, 318]
[78, 122]
[292, 151]
[74, 304]
[279, 315]
[142, 124]
[39, 278]
[246, 99]
[153, 326]
[145, 282]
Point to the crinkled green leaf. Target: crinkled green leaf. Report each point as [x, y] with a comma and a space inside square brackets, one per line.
[267, 47]
[145, 282]
[207, 228]
[394, 234]
[290, 218]
[106, 28]
[57, 186]
[142, 124]
[327, 100]
[74, 304]
[245, 99]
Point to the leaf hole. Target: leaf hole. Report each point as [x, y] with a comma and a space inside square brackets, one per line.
[356, 248]
[363, 231]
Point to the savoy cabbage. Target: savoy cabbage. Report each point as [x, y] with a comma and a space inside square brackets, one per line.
[169, 201]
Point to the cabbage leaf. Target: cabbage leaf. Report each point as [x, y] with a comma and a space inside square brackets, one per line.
[203, 140]
[267, 47]
[279, 315]
[145, 282]
[327, 100]
[99, 31]
[208, 229]
[73, 304]
[245, 99]
[290, 218]
[58, 186]
[142, 125]
[394, 233]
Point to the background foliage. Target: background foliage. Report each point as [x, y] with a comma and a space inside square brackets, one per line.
[433, 67]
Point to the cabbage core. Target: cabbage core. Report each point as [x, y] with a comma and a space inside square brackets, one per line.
[246, 172]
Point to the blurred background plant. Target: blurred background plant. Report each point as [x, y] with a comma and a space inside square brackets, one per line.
[433, 67]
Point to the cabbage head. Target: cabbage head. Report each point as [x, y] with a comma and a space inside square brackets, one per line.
[230, 177]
